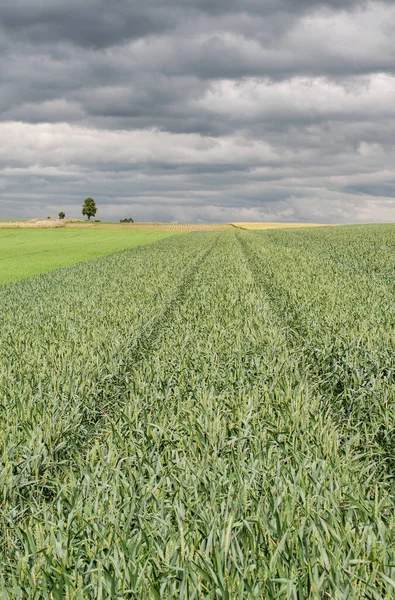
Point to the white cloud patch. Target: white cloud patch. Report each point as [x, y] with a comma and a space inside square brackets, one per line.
[305, 98]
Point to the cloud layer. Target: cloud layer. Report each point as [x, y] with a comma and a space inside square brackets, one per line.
[198, 110]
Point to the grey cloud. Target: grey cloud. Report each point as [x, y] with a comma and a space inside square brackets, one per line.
[91, 23]
[199, 110]
[98, 23]
[380, 189]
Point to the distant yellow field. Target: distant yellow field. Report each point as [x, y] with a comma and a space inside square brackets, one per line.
[275, 225]
[171, 227]
[32, 224]
[67, 223]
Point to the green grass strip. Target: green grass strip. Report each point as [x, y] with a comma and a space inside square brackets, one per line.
[24, 253]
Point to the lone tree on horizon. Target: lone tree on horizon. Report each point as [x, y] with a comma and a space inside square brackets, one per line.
[62, 215]
[89, 209]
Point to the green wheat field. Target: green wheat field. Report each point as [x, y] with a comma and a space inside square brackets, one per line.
[209, 416]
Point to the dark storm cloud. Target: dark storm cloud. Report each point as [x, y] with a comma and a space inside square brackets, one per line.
[89, 23]
[200, 109]
[99, 23]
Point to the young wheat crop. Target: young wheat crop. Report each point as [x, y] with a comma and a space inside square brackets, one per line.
[210, 417]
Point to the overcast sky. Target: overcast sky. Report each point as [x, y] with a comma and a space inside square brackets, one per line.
[198, 110]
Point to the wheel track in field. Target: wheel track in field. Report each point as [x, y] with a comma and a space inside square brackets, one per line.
[295, 330]
[295, 334]
[292, 336]
[152, 330]
[263, 279]
[109, 398]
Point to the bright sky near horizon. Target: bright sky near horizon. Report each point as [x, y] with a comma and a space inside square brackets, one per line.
[198, 110]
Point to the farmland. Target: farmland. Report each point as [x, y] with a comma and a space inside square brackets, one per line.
[168, 227]
[99, 225]
[27, 252]
[210, 416]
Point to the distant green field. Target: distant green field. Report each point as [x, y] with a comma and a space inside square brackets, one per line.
[24, 252]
